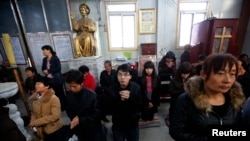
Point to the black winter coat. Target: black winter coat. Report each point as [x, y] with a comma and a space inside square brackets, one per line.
[125, 114]
[107, 80]
[193, 115]
[84, 105]
[176, 88]
[155, 98]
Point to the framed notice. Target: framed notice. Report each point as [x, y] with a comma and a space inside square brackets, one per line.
[143, 59]
[147, 21]
[17, 50]
[63, 48]
[36, 41]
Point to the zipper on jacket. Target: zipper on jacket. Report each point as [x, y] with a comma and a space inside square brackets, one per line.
[220, 121]
[220, 118]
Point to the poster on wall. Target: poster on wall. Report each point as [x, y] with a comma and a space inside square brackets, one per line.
[143, 59]
[17, 50]
[147, 21]
[36, 41]
[63, 48]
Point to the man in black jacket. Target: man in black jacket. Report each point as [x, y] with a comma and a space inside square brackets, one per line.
[124, 102]
[108, 77]
[83, 110]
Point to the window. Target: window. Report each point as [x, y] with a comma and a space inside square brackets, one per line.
[190, 12]
[121, 26]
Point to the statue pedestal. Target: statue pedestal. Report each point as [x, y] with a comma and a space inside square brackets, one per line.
[7, 90]
[95, 64]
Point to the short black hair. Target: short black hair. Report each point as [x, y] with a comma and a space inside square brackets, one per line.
[108, 62]
[32, 69]
[45, 80]
[242, 56]
[74, 76]
[201, 57]
[125, 68]
[171, 55]
[83, 69]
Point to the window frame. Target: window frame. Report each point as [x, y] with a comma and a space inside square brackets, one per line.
[193, 12]
[122, 13]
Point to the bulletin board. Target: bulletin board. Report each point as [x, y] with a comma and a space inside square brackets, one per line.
[17, 50]
[36, 41]
[144, 58]
[63, 46]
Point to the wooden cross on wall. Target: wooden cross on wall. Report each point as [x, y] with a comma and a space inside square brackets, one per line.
[223, 36]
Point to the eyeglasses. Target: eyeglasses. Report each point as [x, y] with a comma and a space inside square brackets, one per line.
[123, 74]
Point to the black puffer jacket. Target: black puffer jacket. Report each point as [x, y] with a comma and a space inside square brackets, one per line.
[176, 88]
[125, 114]
[84, 104]
[193, 114]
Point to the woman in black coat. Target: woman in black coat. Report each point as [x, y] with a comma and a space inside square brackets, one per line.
[177, 84]
[212, 100]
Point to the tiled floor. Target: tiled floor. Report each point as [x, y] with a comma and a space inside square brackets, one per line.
[159, 133]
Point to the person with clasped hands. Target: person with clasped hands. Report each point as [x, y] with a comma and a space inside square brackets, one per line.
[123, 102]
[213, 99]
[83, 110]
[84, 43]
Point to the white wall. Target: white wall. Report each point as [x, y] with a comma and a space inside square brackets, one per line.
[226, 8]
[166, 26]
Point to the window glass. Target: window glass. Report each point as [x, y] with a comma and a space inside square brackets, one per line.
[128, 31]
[185, 28]
[121, 7]
[193, 6]
[190, 12]
[116, 31]
[121, 26]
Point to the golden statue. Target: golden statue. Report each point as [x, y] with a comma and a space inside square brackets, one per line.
[84, 43]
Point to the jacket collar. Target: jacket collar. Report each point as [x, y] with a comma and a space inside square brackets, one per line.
[196, 92]
[45, 98]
